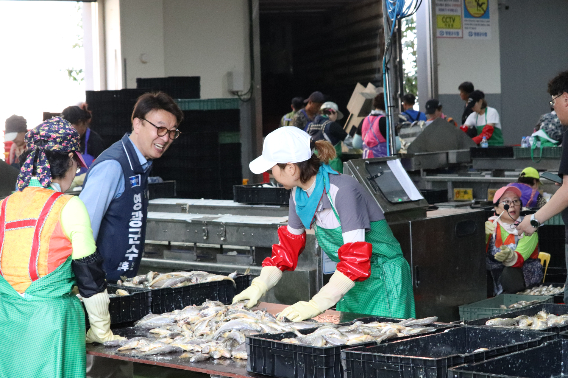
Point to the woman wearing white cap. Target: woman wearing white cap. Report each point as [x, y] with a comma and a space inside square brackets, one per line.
[372, 277]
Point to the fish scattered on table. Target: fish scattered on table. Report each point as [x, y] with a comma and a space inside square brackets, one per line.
[153, 280]
[539, 321]
[359, 332]
[212, 330]
[519, 304]
[544, 290]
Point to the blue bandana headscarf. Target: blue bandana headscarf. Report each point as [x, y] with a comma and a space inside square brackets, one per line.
[306, 206]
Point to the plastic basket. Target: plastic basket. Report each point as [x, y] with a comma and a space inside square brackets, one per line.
[547, 153]
[492, 306]
[256, 194]
[268, 355]
[127, 308]
[431, 356]
[209, 104]
[556, 309]
[554, 221]
[547, 360]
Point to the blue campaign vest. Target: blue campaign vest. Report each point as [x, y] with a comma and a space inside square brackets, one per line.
[123, 228]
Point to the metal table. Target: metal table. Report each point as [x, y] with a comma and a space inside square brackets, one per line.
[209, 206]
[221, 367]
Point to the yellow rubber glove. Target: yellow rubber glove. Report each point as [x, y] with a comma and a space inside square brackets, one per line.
[489, 228]
[99, 318]
[507, 256]
[338, 285]
[269, 277]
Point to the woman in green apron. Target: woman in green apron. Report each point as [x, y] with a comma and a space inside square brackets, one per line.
[46, 247]
[372, 277]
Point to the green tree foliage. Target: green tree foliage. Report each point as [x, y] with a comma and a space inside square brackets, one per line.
[409, 55]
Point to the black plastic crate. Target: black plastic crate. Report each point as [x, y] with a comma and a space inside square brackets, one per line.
[430, 356]
[176, 298]
[433, 196]
[555, 309]
[257, 194]
[492, 152]
[186, 87]
[128, 308]
[166, 189]
[547, 360]
[268, 355]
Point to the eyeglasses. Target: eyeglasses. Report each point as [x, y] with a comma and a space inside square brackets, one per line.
[173, 134]
[513, 202]
[554, 99]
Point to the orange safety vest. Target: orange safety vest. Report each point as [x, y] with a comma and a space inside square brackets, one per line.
[509, 240]
[32, 241]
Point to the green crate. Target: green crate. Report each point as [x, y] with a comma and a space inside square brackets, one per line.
[555, 221]
[491, 307]
[547, 153]
[226, 137]
[209, 104]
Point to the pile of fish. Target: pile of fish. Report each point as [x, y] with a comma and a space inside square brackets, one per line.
[119, 293]
[539, 321]
[519, 305]
[154, 280]
[543, 290]
[359, 332]
[200, 332]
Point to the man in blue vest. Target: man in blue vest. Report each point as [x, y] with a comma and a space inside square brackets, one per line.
[306, 116]
[115, 188]
[409, 114]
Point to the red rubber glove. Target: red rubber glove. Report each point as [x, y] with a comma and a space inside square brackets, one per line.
[464, 128]
[354, 260]
[285, 254]
[486, 132]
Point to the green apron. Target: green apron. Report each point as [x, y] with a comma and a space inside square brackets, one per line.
[336, 162]
[388, 290]
[497, 136]
[42, 334]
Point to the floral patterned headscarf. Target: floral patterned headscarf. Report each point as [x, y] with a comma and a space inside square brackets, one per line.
[55, 134]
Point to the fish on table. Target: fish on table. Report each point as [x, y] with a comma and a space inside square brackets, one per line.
[154, 280]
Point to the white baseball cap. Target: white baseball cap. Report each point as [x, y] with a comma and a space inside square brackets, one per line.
[287, 144]
[333, 106]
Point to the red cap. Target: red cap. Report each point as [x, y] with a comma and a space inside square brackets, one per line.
[81, 161]
[499, 193]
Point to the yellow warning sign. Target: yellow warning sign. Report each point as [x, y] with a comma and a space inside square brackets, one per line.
[445, 21]
[463, 194]
[491, 194]
[476, 8]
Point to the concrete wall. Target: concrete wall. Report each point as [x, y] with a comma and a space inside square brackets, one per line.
[142, 37]
[207, 38]
[113, 46]
[534, 48]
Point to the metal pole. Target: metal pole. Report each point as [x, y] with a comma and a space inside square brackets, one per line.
[387, 84]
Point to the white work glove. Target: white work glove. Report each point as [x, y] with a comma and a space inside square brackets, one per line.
[269, 277]
[339, 284]
[507, 256]
[99, 318]
[489, 228]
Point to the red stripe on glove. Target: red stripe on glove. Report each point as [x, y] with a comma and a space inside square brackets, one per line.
[354, 260]
[285, 254]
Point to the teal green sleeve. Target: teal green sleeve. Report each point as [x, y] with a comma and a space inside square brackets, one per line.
[76, 225]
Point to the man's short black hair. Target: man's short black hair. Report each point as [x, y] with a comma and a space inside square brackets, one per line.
[379, 101]
[156, 101]
[466, 86]
[409, 99]
[559, 84]
[298, 103]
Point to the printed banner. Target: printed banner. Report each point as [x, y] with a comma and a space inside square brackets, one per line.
[476, 20]
[449, 19]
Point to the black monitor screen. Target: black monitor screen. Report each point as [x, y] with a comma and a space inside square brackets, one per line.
[383, 180]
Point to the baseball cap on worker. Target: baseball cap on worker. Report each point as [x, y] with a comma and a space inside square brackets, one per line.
[432, 105]
[287, 144]
[499, 193]
[474, 97]
[14, 125]
[530, 172]
[315, 97]
[333, 106]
